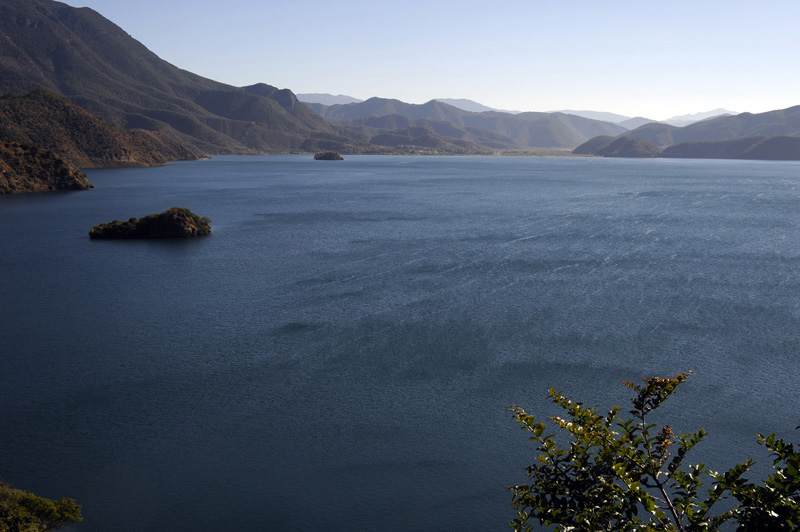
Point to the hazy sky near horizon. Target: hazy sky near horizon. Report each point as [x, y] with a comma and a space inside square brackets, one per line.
[652, 59]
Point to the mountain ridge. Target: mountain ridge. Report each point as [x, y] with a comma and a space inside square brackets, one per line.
[78, 53]
[780, 122]
[470, 105]
[772, 135]
[325, 98]
[523, 130]
[691, 118]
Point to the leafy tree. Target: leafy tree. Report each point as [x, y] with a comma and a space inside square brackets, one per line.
[21, 511]
[775, 505]
[626, 474]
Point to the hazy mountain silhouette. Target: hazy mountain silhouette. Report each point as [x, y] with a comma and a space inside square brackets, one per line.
[326, 99]
[523, 130]
[472, 106]
[596, 115]
[774, 135]
[783, 122]
[685, 120]
[633, 123]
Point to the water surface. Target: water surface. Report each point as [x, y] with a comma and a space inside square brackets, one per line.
[341, 352]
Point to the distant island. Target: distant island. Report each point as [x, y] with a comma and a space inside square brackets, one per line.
[328, 156]
[172, 223]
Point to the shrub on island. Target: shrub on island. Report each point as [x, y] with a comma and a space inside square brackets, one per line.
[328, 156]
[172, 223]
[22, 511]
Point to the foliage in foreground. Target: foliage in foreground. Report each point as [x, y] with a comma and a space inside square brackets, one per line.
[21, 511]
[626, 474]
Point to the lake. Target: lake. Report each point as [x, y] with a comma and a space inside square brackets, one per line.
[341, 353]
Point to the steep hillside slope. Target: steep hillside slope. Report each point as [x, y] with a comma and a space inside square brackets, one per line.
[618, 147]
[778, 148]
[78, 53]
[29, 168]
[55, 123]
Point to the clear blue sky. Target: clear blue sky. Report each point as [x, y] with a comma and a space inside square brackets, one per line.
[653, 59]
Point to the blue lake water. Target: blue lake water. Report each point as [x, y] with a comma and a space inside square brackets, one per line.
[341, 353]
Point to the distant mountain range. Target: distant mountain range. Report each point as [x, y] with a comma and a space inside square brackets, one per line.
[772, 123]
[475, 107]
[596, 115]
[774, 135]
[76, 53]
[326, 99]
[490, 129]
[633, 123]
[685, 120]
[341, 99]
[79, 54]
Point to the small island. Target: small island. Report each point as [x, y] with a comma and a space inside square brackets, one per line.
[172, 223]
[328, 156]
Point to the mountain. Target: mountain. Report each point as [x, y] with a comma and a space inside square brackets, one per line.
[520, 131]
[783, 122]
[326, 99]
[595, 145]
[79, 54]
[621, 120]
[633, 123]
[469, 105]
[774, 135]
[725, 149]
[483, 139]
[685, 120]
[425, 138]
[30, 168]
[55, 123]
[618, 147]
[778, 148]
[596, 115]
